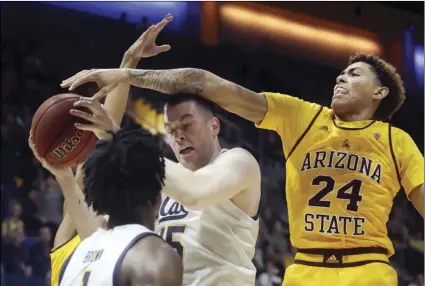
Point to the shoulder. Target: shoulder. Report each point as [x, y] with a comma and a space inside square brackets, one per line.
[400, 137]
[240, 157]
[152, 261]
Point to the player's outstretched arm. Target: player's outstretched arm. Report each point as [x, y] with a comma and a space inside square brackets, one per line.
[152, 261]
[231, 96]
[232, 172]
[144, 47]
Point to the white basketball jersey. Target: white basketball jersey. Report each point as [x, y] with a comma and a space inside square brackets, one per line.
[98, 258]
[217, 243]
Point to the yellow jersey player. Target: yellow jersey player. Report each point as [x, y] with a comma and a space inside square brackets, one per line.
[79, 222]
[344, 164]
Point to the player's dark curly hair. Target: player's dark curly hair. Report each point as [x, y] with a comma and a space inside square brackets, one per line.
[124, 174]
[388, 77]
[202, 102]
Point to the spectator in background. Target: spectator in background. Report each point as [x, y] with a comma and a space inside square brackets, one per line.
[39, 253]
[15, 256]
[277, 237]
[399, 235]
[50, 202]
[270, 277]
[419, 280]
[14, 222]
[30, 210]
[2, 275]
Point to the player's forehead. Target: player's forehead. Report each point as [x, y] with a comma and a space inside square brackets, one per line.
[180, 111]
[360, 67]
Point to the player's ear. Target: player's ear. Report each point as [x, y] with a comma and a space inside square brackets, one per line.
[215, 125]
[380, 93]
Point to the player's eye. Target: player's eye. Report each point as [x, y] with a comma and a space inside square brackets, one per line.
[186, 126]
[355, 74]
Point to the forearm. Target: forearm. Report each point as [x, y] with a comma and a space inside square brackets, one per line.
[116, 101]
[80, 214]
[185, 80]
[230, 96]
[179, 183]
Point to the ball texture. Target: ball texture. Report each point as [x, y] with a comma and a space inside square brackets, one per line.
[56, 138]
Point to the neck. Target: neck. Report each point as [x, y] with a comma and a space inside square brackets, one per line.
[143, 220]
[364, 114]
[216, 150]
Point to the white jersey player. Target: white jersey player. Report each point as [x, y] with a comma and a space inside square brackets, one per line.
[209, 211]
[214, 224]
[123, 178]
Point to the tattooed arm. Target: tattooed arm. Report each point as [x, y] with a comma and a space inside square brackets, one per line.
[232, 97]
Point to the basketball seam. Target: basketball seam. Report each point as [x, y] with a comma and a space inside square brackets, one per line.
[41, 116]
[57, 136]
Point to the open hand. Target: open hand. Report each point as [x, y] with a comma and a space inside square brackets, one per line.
[145, 46]
[100, 119]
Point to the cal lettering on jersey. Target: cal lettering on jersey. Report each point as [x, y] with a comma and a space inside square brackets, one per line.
[333, 224]
[171, 211]
[93, 255]
[343, 160]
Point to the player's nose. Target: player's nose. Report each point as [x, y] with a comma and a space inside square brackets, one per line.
[341, 79]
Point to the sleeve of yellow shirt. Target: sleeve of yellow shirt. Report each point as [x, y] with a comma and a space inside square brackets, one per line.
[289, 116]
[60, 255]
[410, 160]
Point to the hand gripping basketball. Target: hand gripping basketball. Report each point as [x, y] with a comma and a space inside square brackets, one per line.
[58, 172]
[101, 121]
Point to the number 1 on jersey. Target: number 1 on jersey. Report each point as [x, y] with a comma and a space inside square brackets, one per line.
[167, 233]
[86, 277]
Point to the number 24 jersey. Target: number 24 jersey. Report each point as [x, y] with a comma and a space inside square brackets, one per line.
[341, 177]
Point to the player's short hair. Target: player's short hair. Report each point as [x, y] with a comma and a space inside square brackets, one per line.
[124, 174]
[203, 103]
[389, 77]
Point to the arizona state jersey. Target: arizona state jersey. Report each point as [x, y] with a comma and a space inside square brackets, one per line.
[341, 177]
[60, 255]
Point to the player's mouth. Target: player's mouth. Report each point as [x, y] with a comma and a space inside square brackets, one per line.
[186, 151]
[340, 92]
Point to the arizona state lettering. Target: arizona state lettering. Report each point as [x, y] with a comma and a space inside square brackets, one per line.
[343, 160]
[333, 224]
[68, 145]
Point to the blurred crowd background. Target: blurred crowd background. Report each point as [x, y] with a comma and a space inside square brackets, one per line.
[294, 47]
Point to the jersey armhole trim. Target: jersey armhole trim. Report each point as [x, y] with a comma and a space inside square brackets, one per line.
[117, 268]
[64, 266]
[393, 155]
[63, 244]
[305, 132]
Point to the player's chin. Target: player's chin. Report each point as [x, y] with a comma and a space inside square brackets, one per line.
[339, 104]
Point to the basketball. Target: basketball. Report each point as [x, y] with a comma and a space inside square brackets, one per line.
[56, 138]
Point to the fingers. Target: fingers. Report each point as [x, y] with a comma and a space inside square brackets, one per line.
[67, 82]
[79, 81]
[93, 105]
[161, 25]
[164, 48]
[86, 127]
[84, 115]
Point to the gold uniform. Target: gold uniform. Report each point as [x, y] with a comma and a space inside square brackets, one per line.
[341, 181]
[60, 256]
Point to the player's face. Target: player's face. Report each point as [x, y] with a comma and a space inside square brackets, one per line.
[355, 89]
[191, 133]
